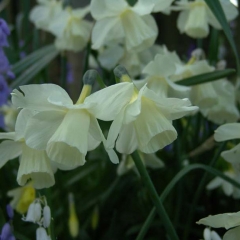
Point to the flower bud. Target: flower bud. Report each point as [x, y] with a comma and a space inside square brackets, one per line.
[41, 234]
[46, 216]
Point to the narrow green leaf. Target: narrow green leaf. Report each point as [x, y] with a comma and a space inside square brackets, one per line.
[32, 58]
[34, 69]
[217, 10]
[206, 77]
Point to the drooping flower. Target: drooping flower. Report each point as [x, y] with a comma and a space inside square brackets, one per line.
[119, 22]
[195, 18]
[210, 235]
[6, 233]
[34, 212]
[71, 30]
[142, 119]
[66, 130]
[225, 220]
[43, 14]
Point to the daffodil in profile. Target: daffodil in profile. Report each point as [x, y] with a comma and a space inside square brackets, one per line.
[195, 17]
[142, 119]
[71, 30]
[117, 21]
[67, 131]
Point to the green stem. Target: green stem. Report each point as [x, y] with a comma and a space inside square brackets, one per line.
[199, 191]
[154, 196]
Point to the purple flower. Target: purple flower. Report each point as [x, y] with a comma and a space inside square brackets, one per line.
[69, 73]
[4, 64]
[10, 211]
[4, 91]
[4, 32]
[6, 233]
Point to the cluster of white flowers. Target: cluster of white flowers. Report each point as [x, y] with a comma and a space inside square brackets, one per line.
[41, 216]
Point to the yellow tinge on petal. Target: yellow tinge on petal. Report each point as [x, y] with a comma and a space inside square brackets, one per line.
[95, 218]
[73, 222]
[27, 197]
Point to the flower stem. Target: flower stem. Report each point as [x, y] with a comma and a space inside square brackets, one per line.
[154, 196]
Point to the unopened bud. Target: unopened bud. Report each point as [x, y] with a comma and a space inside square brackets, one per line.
[90, 77]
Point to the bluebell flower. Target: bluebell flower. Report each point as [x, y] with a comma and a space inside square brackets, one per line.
[10, 211]
[6, 233]
[4, 32]
[4, 91]
[5, 68]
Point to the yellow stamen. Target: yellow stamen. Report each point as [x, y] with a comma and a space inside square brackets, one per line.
[191, 61]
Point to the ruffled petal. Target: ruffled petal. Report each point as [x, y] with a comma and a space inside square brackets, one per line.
[35, 165]
[9, 150]
[69, 144]
[226, 220]
[41, 127]
[35, 97]
[227, 132]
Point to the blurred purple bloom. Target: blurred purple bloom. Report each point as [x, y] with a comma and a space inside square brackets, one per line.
[6, 233]
[4, 64]
[10, 212]
[4, 91]
[4, 32]
[69, 73]
[191, 48]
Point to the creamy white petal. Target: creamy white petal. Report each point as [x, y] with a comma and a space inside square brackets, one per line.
[7, 135]
[94, 136]
[35, 165]
[9, 150]
[36, 96]
[41, 234]
[215, 183]
[215, 236]
[106, 31]
[207, 234]
[227, 188]
[226, 220]
[140, 32]
[232, 155]
[182, 20]
[152, 161]
[108, 102]
[69, 144]
[153, 130]
[143, 8]
[159, 5]
[127, 141]
[232, 234]
[227, 132]
[107, 8]
[41, 127]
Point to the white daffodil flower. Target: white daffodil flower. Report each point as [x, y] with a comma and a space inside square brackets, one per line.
[67, 131]
[210, 235]
[116, 21]
[115, 54]
[195, 18]
[227, 132]
[202, 95]
[225, 220]
[160, 5]
[142, 119]
[71, 30]
[159, 72]
[149, 160]
[228, 188]
[34, 164]
[43, 14]
[225, 111]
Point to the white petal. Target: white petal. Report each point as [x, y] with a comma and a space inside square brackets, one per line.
[107, 8]
[227, 132]
[46, 216]
[34, 212]
[9, 150]
[207, 234]
[94, 136]
[182, 20]
[36, 97]
[106, 31]
[7, 135]
[69, 144]
[41, 234]
[215, 183]
[108, 102]
[140, 32]
[127, 141]
[215, 236]
[232, 234]
[143, 8]
[226, 220]
[159, 5]
[232, 155]
[41, 127]
[227, 188]
[35, 165]
[152, 161]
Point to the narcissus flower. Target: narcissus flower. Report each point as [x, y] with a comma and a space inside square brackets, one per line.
[142, 119]
[71, 30]
[119, 22]
[196, 16]
[225, 220]
[66, 130]
[43, 14]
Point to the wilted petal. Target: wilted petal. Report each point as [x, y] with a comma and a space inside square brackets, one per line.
[35, 165]
[227, 132]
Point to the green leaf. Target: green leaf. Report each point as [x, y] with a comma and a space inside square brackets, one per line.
[217, 10]
[34, 69]
[206, 77]
[32, 58]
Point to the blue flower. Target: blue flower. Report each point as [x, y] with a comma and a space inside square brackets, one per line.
[4, 91]
[6, 233]
[4, 32]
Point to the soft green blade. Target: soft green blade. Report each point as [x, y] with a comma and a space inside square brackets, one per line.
[206, 77]
[217, 10]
